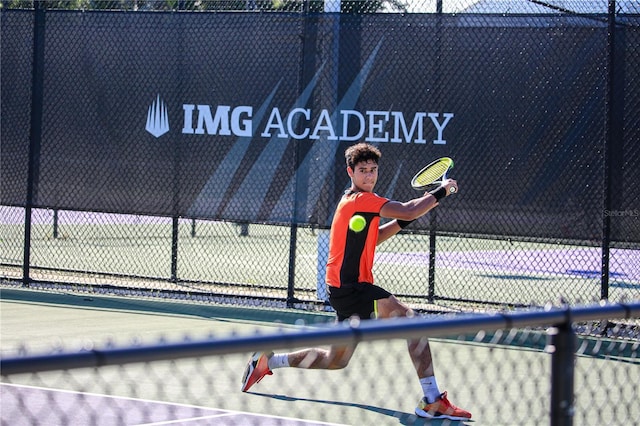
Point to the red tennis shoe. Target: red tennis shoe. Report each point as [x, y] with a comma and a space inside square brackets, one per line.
[441, 409]
[257, 368]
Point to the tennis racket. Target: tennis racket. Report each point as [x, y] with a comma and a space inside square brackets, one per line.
[433, 174]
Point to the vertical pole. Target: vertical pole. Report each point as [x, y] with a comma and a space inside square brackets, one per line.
[434, 214]
[176, 212]
[608, 141]
[174, 249]
[432, 257]
[35, 140]
[562, 347]
[293, 242]
[293, 230]
[56, 231]
[175, 216]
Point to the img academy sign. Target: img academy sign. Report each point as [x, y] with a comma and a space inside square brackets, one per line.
[304, 123]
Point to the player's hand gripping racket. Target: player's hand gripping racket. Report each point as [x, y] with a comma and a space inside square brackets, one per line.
[433, 175]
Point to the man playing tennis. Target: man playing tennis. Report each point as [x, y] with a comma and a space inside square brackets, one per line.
[349, 278]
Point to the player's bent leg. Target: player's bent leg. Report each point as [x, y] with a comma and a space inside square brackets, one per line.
[420, 353]
[335, 358]
[340, 356]
[419, 349]
[391, 307]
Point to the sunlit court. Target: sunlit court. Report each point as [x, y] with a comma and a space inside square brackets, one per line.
[320, 212]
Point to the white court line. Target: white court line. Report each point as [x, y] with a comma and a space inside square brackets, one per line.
[223, 413]
[168, 422]
[229, 413]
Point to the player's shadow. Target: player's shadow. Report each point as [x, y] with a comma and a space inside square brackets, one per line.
[403, 418]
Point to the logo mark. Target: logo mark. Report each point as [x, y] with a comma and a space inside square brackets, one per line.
[157, 118]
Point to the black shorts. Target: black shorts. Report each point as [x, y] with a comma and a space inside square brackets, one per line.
[357, 299]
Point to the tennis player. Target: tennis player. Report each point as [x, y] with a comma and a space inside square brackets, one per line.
[349, 277]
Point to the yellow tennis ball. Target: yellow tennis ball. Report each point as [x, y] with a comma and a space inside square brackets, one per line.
[357, 223]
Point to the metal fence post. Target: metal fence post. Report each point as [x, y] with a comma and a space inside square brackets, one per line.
[35, 140]
[174, 249]
[562, 347]
[432, 260]
[606, 220]
[56, 231]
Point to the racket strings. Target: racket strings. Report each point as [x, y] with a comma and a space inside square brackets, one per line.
[431, 174]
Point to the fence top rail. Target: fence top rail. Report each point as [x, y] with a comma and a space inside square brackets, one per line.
[345, 7]
[345, 333]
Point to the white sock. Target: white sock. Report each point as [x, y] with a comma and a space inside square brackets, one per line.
[278, 361]
[430, 388]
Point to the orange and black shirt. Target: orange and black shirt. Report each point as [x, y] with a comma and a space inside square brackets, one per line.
[351, 254]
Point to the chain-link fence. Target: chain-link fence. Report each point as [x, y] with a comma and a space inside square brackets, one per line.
[504, 369]
[199, 155]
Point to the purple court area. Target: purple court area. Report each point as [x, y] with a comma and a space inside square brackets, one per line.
[582, 262]
[15, 216]
[27, 405]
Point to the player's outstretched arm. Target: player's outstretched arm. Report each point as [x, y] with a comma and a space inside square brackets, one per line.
[412, 209]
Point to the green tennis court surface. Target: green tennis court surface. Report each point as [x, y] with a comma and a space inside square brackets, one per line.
[378, 387]
[50, 321]
[133, 252]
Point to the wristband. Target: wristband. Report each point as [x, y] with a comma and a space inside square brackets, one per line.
[404, 223]
[439, 193]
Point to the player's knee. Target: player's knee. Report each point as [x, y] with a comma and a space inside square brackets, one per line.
[339, 363]
[393, 308]
[409, 313]
[340, 360]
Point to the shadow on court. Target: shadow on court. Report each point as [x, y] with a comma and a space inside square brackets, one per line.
[403, 418]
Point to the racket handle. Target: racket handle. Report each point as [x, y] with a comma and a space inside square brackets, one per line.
[453, 188]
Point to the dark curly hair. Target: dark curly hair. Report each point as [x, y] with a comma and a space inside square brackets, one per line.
[361, 152]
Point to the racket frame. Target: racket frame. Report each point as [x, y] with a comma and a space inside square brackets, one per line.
[438, 180]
